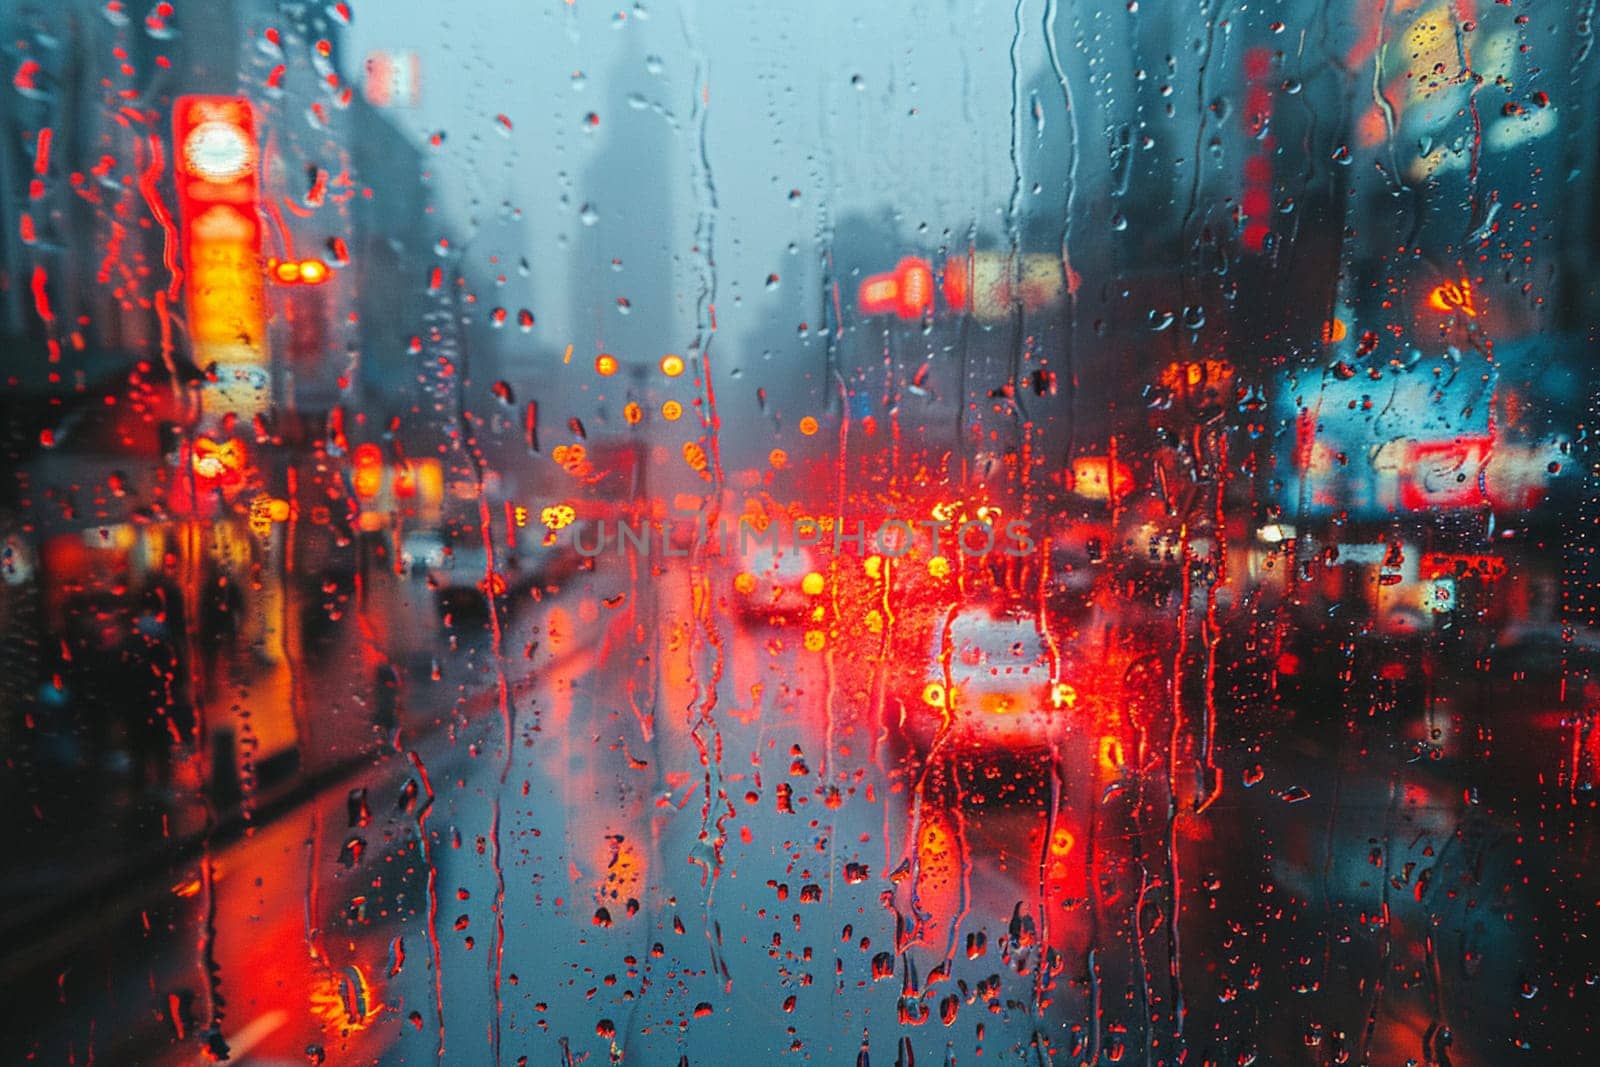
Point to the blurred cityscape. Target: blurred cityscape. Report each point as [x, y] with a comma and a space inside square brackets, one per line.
[1146, 612]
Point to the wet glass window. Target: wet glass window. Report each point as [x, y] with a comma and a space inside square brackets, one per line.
[548, 532]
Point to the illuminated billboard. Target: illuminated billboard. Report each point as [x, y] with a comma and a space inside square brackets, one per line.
[216, 165]
[1433, 437]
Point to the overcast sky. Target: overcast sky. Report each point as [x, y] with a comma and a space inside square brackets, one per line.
[812, 110]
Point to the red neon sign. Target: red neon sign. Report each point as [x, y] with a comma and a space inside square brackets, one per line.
[216, 164]
[1255, 202]
[1445, 474]
[907, 291]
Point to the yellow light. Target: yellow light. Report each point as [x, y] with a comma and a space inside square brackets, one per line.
[313, 271]
[1111, 753]
[744, 584]
[812, 584]
[808, 426]
[933, 695]
[671, 365]
[633, 413]
[875, 621]
[519, 515]
[694, 455]
[570, 458]
[605, 364]
[1453, 297]
[287, 272]
[1095, 478]
[344, 1000]
[556, 516]
[1061, 842]
[778, 458]
[815, 639]
[944, 511]
[873, 566]
[1063, 695]
[1000, 703]
[213, 460]
[939, 567]
[671, 410]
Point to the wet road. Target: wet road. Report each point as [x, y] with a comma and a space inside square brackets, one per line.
[713, 849]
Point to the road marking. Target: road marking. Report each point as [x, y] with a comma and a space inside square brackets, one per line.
[255, 1032]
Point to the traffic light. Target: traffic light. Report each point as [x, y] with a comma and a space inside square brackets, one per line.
[367, 471]
[298, 272]
[216, 167]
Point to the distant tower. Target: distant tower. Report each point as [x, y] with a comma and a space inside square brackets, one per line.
[627, 300]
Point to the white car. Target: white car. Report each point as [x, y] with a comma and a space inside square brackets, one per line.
[778, 584]
[1001, 691]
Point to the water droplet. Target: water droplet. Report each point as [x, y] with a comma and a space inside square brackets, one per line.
[588, 215]
[772, 281]
[525, 320]
[353, 849]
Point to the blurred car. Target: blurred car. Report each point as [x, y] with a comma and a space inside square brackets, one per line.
[777, 585]
[459, 573]
[998, 696]
[1078, 554]
[1533, 661]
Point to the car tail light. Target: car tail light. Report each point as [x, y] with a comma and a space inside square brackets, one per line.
[1000, 704]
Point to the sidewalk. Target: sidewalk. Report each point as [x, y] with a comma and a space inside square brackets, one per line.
[121, 846]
